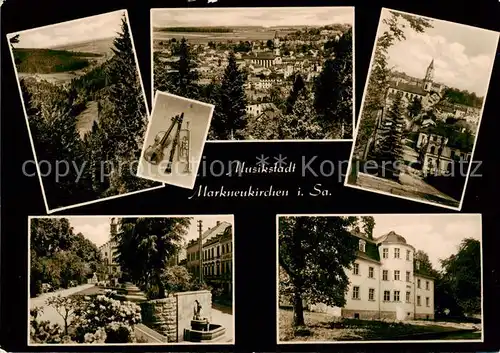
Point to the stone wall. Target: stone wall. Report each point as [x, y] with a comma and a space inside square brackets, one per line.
[363, 314]
[170, 316]
[424, 316]
[185, 309]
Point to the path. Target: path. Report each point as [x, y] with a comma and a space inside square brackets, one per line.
[86, 119]
[49, 313]
[221, 316]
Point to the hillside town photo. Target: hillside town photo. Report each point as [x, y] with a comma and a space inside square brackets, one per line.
[131, 280]
[391, 277]
[422, 108]
[272, 73]
[85, 108]
[174, 140]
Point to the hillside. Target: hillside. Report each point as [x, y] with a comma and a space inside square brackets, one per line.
[98, 46]
[45, 61]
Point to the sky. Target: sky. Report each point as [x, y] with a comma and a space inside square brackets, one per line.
[86, 29]
[439, 235]
[264, 16]
[463, 55]
[96, 228]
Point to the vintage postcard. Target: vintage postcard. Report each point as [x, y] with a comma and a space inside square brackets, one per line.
[90, 283]
[273, 74]
[176, 135]
[421, 109]
[85, 109]
[394, 278]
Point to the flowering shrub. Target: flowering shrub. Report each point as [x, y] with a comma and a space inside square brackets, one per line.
[97, 319]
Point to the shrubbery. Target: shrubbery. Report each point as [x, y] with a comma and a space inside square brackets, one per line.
[90, 319]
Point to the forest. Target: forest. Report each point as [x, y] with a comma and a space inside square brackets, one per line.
[44, 61]
[322, 111]
[103, 159]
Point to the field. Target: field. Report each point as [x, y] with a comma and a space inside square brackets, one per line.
[205, 37]
[98, 46]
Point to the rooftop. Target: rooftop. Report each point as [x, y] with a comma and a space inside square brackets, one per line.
[410, 88]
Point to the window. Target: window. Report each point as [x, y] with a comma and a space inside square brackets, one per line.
[385, 275]
[396, 275]
[432, 150]
[396, 295]
[385, 253]
[427, 285]
[362, 245]
[418, 283]
[387, 296]
[370, 272]
[371, 294]
[355, 292]
[427, 301]
[355, 270]
[396, 253]
[418, 300]
[407, 276]
[408, 253]
[408, 294]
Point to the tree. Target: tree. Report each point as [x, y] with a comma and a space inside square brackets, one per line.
[176, 279]
[298, 86]
[270, 44]
[145, 244]
[333, 89]
[462, 272]
[178, 77]
[301, 123]
[378, 79]
[415, 107]
[390, 147]
[314, 253]
[230, 120]
[368, 225]
[50, 235]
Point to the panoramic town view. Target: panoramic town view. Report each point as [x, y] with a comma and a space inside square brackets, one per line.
[81, 89]
[151, 280]
[272, 73]
[400, 278]
[422, 108]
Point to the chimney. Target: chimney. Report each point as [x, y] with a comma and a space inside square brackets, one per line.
[218, 223]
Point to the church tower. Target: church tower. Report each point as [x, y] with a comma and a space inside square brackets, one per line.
[429, 76]
[112, 227]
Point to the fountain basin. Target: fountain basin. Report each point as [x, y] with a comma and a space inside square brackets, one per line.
[199, 325]
[213, 333]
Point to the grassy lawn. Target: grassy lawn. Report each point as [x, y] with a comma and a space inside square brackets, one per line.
[323, 327]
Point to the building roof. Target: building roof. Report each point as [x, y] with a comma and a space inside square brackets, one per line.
[391, 237]
[210, 232]
[405, 87]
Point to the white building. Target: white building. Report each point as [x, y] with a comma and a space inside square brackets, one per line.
[385, 283]
[108, 253]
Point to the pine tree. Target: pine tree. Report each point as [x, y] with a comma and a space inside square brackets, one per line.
[333, 90]
[179, 77]
[301, 123]
[230, 120]
[298, 86]
[390, 147]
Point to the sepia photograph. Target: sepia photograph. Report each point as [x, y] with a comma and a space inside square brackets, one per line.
[391, 278]
[273, 74]
[174, 141]
[421, 109]
[131, 280]
[85, 109]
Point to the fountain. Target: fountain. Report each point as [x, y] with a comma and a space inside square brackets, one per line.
[201, 329]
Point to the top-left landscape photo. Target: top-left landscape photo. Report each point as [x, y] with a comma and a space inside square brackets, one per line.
[85, 109]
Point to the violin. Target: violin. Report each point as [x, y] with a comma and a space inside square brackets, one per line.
[154, 154]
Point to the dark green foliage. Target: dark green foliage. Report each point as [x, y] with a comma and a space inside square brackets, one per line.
[46, 61]
[467, 98]
[368, 225]
[313, 253]
[144, 246]
[298, 86]
[390, 147]
[229, 119]
[58, 256]
[179, 77]
[463, 140]
[425, 265]
[333, 90]
[302, 122]
[415, 107]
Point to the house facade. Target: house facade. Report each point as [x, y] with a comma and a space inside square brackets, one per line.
[385, 283]
[108, 253]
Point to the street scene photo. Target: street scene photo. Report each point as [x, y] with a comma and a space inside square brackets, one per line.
[85, 108]
[384, 277]
[131, 280]
[422, 108]
[271, 73]
[174, 141]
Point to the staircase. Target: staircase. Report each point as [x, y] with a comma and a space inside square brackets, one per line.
[134, 294]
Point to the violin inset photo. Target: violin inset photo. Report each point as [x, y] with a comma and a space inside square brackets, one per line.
[174, 140]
